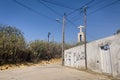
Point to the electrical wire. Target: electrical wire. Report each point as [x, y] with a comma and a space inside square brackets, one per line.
[71, 22]
[60, 5]
[49, 8]
[105, 6]
[80, 7]
[32, 10]
[37, 12]
[98, 9]
[97, 3]
[57, 13]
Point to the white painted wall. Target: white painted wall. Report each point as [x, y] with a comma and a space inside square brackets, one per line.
[97, 58]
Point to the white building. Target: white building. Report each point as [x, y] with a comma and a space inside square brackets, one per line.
[103, 56]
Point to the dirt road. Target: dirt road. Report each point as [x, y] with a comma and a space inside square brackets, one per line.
[48, 72]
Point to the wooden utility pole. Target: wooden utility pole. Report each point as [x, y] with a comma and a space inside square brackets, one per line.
[48, 36]
[63, 37]
[85, 37]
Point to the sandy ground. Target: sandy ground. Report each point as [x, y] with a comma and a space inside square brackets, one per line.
[48, 72]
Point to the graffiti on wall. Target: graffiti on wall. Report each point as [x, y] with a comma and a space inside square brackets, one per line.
[68, 56]
[79, 56]
[74, 58]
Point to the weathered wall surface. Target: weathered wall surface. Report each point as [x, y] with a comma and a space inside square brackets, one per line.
[103, 56]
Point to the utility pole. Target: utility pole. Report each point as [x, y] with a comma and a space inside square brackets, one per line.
[48, 36]
[63, 37]
[85, 47]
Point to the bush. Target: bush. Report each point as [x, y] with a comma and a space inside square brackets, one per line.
[13, 48]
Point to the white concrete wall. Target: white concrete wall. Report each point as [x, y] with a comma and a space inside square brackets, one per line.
[96, 57]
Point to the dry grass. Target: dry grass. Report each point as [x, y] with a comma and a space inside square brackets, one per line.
[21, 65]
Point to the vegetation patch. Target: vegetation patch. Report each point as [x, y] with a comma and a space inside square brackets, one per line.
[15, 50]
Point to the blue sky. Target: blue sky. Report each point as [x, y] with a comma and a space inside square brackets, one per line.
[103, 18]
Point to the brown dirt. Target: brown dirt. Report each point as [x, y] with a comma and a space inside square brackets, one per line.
[20, 65]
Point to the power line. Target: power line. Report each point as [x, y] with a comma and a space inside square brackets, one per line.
[97, 3]
[71, 22]
[76, 25]
[73, 18]
[56, 12]
[77, 10]
[60, 5]
[32, 10]
[73, 11]
[105, 6]
[49, 8]
[80, 7]
[100, 8]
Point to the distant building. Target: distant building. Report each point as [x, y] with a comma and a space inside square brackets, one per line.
[81, 34]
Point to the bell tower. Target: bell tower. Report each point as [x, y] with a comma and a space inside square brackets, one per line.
[81, 34]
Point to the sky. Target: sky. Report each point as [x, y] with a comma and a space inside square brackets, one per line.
[35, 18]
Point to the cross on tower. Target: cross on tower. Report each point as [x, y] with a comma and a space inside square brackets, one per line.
[81, 34]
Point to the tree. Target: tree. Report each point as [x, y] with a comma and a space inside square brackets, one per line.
[37, 48]
[11, 42]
